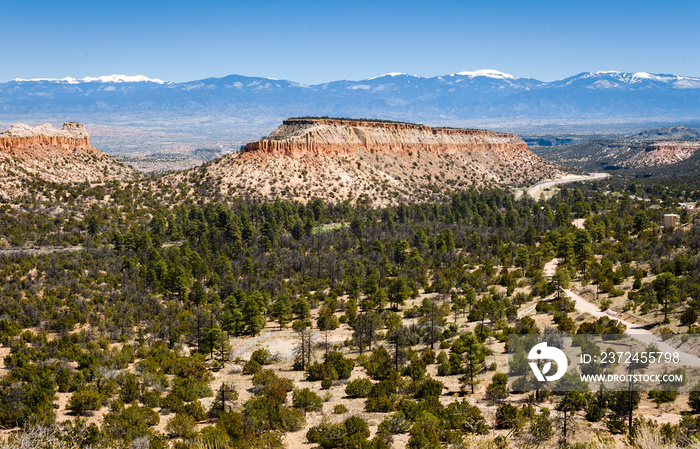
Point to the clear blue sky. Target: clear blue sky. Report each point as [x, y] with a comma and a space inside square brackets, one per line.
[317, 41]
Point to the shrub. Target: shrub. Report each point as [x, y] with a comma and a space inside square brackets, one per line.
[336, 366]
[350, 434]
[343, 365]
[173, 403]
[381, 397]
[507, 417]
[195, 409]
[416, 369]
[266, 383]
[694, 399]
[181, 425]
[151, 398]
[84, 400]
[191, 389]
[307, 400]
[251, 367]
[358, 388]
[129, 391]
[498, 388]
[379, 365]
[429, 388]
[339, 409]
[321, 371]
[465, 417]
[394, 424]
[262, 414]
[262, 356]
[428, 356]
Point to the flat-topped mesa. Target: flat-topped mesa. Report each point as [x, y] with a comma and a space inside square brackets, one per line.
[20, 138]
[54, 155]
[373, 162]
[299, 136]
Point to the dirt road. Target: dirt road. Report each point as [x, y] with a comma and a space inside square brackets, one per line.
[636, 331]
[538, 188]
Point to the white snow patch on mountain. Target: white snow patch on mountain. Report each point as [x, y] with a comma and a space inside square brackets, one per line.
[393, 74]
[488, 73]
[99, 79]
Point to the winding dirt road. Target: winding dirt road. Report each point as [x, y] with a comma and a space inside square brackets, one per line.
[635, 331]
[541, 186]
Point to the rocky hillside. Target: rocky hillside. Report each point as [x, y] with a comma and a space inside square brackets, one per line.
[54, 155]
[652, 149]
[376, 162]
[663, 153]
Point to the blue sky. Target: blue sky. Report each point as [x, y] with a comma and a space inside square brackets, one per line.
[317, 41]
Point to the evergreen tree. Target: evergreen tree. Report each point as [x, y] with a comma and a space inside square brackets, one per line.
[252, 317]
[281, 312]
[473, 354]
[432, 320]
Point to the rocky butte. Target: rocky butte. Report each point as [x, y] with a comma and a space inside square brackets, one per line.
[298, 136]
[372, 161]
[21, 140]
[663, 153]
[56, 155]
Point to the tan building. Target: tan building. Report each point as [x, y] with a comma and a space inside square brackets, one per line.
[671, 220]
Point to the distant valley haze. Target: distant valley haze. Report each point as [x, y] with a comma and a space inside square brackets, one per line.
[217, 74]
[138, 114]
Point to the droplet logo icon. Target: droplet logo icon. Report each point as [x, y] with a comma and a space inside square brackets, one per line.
[543, 352]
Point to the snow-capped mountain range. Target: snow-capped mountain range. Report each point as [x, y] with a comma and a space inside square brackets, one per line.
[468, 98]
[99, 79]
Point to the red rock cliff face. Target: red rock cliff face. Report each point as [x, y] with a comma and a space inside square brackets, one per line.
[664, 153]
[673, 147]
[22, 141]
[297, 137]
[377, 163]
[56, 155]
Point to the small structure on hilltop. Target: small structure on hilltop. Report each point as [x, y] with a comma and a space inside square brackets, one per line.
[671, 220]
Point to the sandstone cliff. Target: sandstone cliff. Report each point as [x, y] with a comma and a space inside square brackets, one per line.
[55, 155]
[376, 162]
[297, 137]
[663, 153]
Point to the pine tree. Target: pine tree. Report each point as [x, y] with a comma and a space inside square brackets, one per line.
[281, 312]
[473, 355]
[252, 317]
[432, 320]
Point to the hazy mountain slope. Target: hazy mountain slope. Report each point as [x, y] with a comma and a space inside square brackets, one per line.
[235, 108]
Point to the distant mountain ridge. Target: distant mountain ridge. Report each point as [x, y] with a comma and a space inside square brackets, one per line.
[245, 107]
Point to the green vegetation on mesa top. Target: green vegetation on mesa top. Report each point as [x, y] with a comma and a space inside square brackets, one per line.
[370, 120]
[367, 120]
[132, 328]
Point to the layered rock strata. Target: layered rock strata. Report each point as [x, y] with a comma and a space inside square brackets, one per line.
[328, 136]
[55, 155]
[22, 140]
[372, 162]
[664, 153]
